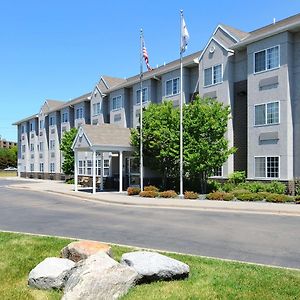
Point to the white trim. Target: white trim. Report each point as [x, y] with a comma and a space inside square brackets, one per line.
[112, 103]
[212, 76]
[226, 31]
[265, 104]
[80, 133]
[172, 79]
[103, 82]
[266, 70]
[138, 98]
[215, 40]
[266, 167]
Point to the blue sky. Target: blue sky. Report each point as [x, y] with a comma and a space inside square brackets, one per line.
[59, 49]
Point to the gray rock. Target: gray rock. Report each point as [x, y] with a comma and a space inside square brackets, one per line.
[99, 277]
[152, 266]
[51, 273]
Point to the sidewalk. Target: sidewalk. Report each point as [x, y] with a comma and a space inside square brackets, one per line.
[62, 188]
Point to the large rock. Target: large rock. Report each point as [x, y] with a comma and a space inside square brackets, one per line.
[99, 277]
[152, 266]
[51, 273]
[77, 251]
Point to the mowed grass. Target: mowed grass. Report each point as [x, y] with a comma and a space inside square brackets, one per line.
[8, 173]
[209, 278]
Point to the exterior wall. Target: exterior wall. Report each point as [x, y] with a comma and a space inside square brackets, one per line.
[223, 91]
[43, 139]
[83, 120]
[283, 147]
[96, 117]
[54, 156]
[118, 116]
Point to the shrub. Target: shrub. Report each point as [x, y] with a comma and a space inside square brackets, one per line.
[70, 181]
[255, 187]
[249, 197]
[276, 187]
[149, 194]
[228, 196]
[277, 198]
[297, 199]
[213, 185]
[151, 188]
[237, 177]
[239, 192]
[215, 196]
[168, 194]
[190, 195]
[228, 187]
[133, 190]
[263, 194]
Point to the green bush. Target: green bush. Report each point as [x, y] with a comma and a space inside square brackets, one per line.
[151, 188]
[228, 197]
[213, 185]
[278, 198]
[276, 187]
[220, 196]
[237, 177]
[249, 197]
[297, 199]
[168, 194]
[255, 187]
[70, 181]
[264, 194]
[149, 194]
[227, 187]
[239, 192]
[133, 190]
[190, 195]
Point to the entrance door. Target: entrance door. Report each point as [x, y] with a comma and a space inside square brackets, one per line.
[133, 171]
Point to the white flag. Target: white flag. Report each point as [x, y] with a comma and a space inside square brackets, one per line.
[184, 36]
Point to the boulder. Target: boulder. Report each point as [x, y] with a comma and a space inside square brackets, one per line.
[51, 273]
[99, 277]
[152, 266]
[77, 251]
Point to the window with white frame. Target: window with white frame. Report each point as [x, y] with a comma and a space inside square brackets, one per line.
[213, 75]
[89, 167]
[52, 167]
[267, 166]
[52, 144]
[96, 109]
[144, 96]
[65, 117]
[172, 87]
[41, 167]
[41, 146]
[218, 172]
[31, 147]
[266, 59]
[31, 126]
[22, 129]
[31, 167]
[105, 167]
[266, 113]
[117, 102]
[51, 120]
[41, 124]
[81, 167]
[23, 148]
[79, 113]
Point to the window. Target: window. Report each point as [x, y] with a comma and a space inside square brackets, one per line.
[213, 75]
[79, 113]
[106, 167]
[89, 167]
[41, 167]
[267, 167]
[266, 114]
[96, 109]
[81, 167]
[52, 144]
[23, 148]
[22, 129]
[65, 117]
[52, 120]
[31, 126]
[266, 59]
[172, 87]
[31, 147]
[52, 167]
[218, 172]
[41, 124]
[41, 146]
[31, 167]
[117, 102]
[144, 96]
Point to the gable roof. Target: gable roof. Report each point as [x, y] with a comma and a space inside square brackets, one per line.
[105, 136]
[235, 32]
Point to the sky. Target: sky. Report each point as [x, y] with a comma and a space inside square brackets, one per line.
[58, 49]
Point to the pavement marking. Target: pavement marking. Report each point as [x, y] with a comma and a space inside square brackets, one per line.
[157, 250]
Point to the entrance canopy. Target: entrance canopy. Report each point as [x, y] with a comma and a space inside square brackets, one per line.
[101, 138]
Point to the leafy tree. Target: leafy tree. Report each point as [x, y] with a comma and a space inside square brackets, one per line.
[8, 157]
[160, 139]
[68, 153]
[205, 146]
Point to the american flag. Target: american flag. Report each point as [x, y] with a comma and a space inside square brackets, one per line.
[146, 57]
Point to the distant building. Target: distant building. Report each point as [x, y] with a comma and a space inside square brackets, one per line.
[256, 73]
[7, 144]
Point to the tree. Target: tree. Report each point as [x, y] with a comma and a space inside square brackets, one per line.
[68, 153]
[8, 157]
[205, 146]
[160, 139]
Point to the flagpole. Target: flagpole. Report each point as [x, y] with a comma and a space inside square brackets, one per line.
[141, 113]
[181, 114]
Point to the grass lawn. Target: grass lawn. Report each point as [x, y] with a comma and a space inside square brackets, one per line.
[8, 173]
[209, 278]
